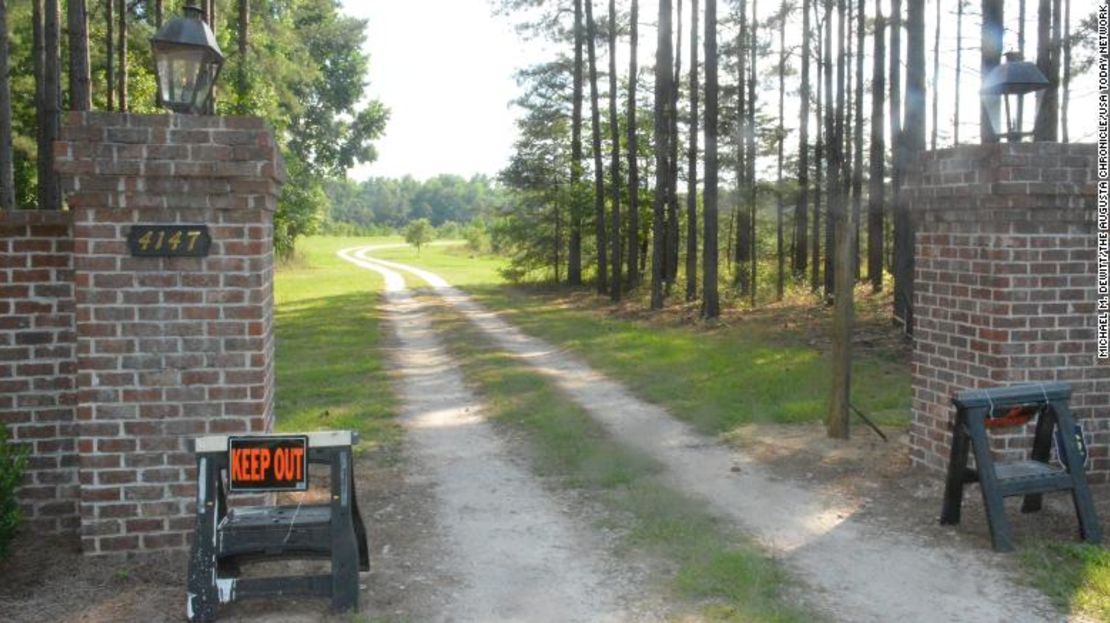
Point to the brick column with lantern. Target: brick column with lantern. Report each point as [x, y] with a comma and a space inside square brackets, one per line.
[1006, 287]
[173, 270]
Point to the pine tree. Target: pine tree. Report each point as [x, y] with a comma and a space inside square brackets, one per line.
[692, 165]
[616, 281]
[743, 247]
[801, 211]
[7, 173]
[781, 139]
[670, 272]
[633, 163]
[907, 152]
[80, 91]
[662, 126]
[710, 302]
[857, 141]
[574, 252]
[121, 49]
[599, 172]
[878, 153]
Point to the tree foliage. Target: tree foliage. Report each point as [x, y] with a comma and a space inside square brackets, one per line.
[419, 233]
[303, 71]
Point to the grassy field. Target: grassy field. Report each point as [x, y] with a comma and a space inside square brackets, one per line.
[769, 365]
[329, 365]
[719, 576]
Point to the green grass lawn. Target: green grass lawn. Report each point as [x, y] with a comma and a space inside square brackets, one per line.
[770, 365]
[328, 362]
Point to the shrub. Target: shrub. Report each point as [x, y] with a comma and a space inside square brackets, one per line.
[418, 233]
[13, 459]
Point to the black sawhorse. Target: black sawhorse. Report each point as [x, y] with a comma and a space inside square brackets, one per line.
[1032, 478]
[227, 538]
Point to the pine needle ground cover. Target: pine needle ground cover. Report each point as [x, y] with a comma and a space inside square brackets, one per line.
[329, 362]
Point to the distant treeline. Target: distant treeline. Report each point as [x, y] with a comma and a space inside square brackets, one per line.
[379, 204]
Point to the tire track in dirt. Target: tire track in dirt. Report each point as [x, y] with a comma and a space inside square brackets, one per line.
[515, 555]
[856, 571]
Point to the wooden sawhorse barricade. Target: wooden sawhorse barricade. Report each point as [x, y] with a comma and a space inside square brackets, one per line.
[226, 538]
[976, 410]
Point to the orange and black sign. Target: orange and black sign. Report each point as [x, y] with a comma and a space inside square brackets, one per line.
[271, 463]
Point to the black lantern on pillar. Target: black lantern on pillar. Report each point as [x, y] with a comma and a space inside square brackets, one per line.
[1003, 89]
[187, 61]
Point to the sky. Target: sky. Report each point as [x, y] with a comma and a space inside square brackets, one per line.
[445, 69]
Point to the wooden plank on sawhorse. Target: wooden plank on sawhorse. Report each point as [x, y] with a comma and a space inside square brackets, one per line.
[975, 410]
[227, 538]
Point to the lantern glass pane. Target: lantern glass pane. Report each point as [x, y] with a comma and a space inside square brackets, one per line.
[179, 70]
[992, 104]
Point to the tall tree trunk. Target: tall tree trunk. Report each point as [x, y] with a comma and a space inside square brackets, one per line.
[599, 170]
[753, 190]
[959, 70]
[912, 144]
[1048, 61]
[818, 157]
[7, 171]
[780, 241]
[1067, 73]
[616, 281]
[990, 57]
[157, 14]
[692, 164]
[857, 141]
[801, 211]
[895, 78]
[633, 163]
[109, 56]
[671, 266]
[48, 92]
[832, 149]
[80, 92]
[574, 253]
[710, 302]
[936, 74]
[878, 153]
[841, 226]
[662, 124]
[743, 247]
[122, 50]
[244, 39]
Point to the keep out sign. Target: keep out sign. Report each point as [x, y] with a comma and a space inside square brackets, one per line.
[270, 463]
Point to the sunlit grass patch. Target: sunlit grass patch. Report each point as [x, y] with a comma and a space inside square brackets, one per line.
[1075, 576]
[328, 359]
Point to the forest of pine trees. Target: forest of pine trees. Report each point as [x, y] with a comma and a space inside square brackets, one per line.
[787, 137]
[778, 93]
[99, 58]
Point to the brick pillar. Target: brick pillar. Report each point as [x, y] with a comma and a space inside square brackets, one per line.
[37, 360]
[1006, 269]
[167, 348]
